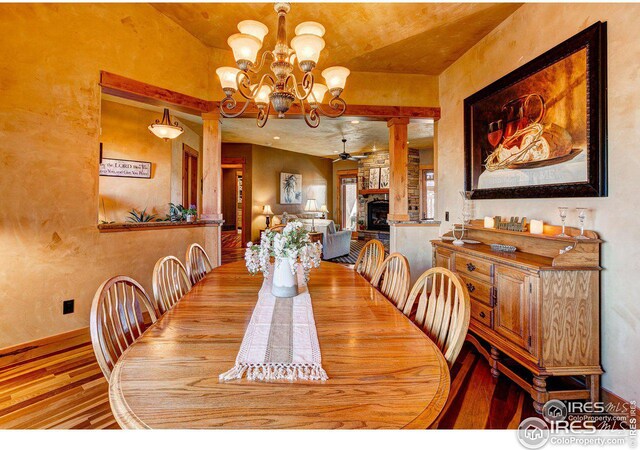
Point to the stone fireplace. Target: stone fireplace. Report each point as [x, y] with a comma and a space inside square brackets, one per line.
[377, 211]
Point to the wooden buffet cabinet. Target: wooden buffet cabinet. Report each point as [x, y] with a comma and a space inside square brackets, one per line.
[537, 309]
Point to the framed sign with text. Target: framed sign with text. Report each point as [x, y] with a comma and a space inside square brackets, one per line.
[110, 167]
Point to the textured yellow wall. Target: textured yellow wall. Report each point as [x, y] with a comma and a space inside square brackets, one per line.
[529, 32]
[49, 141]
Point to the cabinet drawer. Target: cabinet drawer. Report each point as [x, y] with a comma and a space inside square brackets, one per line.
[479, 290]
[482, 313]
[474, 267]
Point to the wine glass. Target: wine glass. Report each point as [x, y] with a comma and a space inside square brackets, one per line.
[495, 133]
[582, 215]
[562, 210]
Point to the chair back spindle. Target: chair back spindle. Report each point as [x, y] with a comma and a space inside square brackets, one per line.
[393, 278]
[369, 259]
[170, 283]
[198, 263]
[116, 319]
[443, 311]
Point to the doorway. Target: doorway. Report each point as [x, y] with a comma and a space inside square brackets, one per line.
[233, 208]
[189, 177]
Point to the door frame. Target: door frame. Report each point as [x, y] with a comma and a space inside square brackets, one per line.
[346, 173]
[238, 163]
[192, 152]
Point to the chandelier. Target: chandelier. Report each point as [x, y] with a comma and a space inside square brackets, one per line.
[165, 129]
[280, 89]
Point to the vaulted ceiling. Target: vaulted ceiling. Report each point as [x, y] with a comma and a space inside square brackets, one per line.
[418, 38]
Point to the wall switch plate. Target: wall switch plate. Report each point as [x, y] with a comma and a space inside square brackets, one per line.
[446, 216]
[67, 306]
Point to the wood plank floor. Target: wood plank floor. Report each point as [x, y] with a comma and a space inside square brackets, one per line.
[67, 390]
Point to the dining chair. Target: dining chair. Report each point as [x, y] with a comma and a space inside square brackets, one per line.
[117, 320]
[393, 278]
[369, 259]
[170, 283]
[443, 310]
[198, 263]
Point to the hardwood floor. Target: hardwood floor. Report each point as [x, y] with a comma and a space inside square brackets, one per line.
[232, 249]
[66, 390]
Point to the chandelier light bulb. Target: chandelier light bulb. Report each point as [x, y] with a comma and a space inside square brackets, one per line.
[307, 48]
[336, 78]
[253, 28]
[228, 79]
[310, 28]
[245, 49]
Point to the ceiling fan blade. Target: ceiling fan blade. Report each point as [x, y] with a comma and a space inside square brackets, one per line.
[358, 157]
[337, 160]
[351, 158]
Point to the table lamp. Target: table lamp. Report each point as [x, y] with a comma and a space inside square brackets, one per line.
[312, 207]
[266, 210]
[324, 210]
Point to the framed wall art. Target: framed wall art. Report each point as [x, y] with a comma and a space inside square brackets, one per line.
[541, 131]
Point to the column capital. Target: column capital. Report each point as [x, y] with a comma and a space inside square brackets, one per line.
[212, 115]
[397, 121]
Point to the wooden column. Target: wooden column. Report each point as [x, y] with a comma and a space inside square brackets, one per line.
[212, 182]
[398, 170]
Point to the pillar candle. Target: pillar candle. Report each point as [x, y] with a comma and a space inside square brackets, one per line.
[536, 226]
[488, 222]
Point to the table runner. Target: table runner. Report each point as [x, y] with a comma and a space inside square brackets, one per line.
[281, 342]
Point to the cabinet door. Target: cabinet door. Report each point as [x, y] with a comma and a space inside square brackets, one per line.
[512, 310]
[443, 258]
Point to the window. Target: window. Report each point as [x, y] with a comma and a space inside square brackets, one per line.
[428, 194]
[348, 185]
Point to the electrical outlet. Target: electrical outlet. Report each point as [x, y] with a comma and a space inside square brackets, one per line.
[67, 306]
[446, 216]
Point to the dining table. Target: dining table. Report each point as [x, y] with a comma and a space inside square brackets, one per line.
[383, 371]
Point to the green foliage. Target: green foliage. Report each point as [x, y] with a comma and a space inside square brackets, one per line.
[140, 216]
[177, 213]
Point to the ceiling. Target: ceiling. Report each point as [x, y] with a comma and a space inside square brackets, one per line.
[417, 38]
[326, 140]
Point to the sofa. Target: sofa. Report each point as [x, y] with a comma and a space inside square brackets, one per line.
[334, 243]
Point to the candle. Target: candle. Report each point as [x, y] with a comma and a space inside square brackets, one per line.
[536, 227]
[488, 222]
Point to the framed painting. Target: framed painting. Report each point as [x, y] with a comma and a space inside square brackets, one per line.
[290, 188]
[384, 178]
[374, 178]
[541, 131]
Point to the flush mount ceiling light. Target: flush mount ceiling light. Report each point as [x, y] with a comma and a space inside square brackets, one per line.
[281, 89]
[165, 129]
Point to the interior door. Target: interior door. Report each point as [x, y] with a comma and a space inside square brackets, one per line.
[348, 200]
[512, 306]
[189, 176]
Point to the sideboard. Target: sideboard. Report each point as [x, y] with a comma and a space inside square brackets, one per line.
[535, 313]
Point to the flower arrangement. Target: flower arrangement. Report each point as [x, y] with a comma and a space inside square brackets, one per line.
[292, 245]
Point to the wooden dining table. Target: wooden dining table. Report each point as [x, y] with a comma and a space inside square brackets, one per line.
[384, 372]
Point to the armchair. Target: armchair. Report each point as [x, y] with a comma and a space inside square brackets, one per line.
[334, 243]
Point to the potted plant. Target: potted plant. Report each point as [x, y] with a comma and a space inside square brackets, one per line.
[361, 224]
[291, 248]
[191, 214]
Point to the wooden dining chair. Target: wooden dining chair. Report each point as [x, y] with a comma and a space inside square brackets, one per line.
[369, 259]
[198, 263]
[117, 320]
[443, 309]
[170, 283]
[393, 278]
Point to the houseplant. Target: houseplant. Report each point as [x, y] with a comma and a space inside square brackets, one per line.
[191, 214]
[290, 248]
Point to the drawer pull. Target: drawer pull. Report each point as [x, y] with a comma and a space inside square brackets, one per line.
[482, 314]
[471, 287]
[471, 267]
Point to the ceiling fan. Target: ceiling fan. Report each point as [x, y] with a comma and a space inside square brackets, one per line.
[346, 156]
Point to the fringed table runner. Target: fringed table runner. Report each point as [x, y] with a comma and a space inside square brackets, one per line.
[281, 342]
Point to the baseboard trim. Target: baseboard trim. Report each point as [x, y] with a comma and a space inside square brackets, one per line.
[607, 396]
[51, 344]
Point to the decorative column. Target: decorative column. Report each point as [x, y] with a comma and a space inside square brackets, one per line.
[212, 183]
[398, 170]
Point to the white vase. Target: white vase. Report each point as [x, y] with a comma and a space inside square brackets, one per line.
[285, 283]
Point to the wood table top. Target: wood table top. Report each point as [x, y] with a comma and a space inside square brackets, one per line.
[383, 371]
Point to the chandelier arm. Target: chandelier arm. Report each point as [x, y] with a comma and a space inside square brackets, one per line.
[246, 84]
[314, 119]
[263, 59]
[230, 103]
[263, 116]
[306, 85]
[337, 104]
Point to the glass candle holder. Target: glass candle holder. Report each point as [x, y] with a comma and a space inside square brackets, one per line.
[562, 211]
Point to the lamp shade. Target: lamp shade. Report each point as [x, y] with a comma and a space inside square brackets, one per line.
[262, 96]
[253, 28]
[165, 129]
[310, 28]
[228, 77]
[266, 210]
[307, 47]
[317, 93]
[311, 205]
[324, 209]
[336, 77]
[245, 47]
